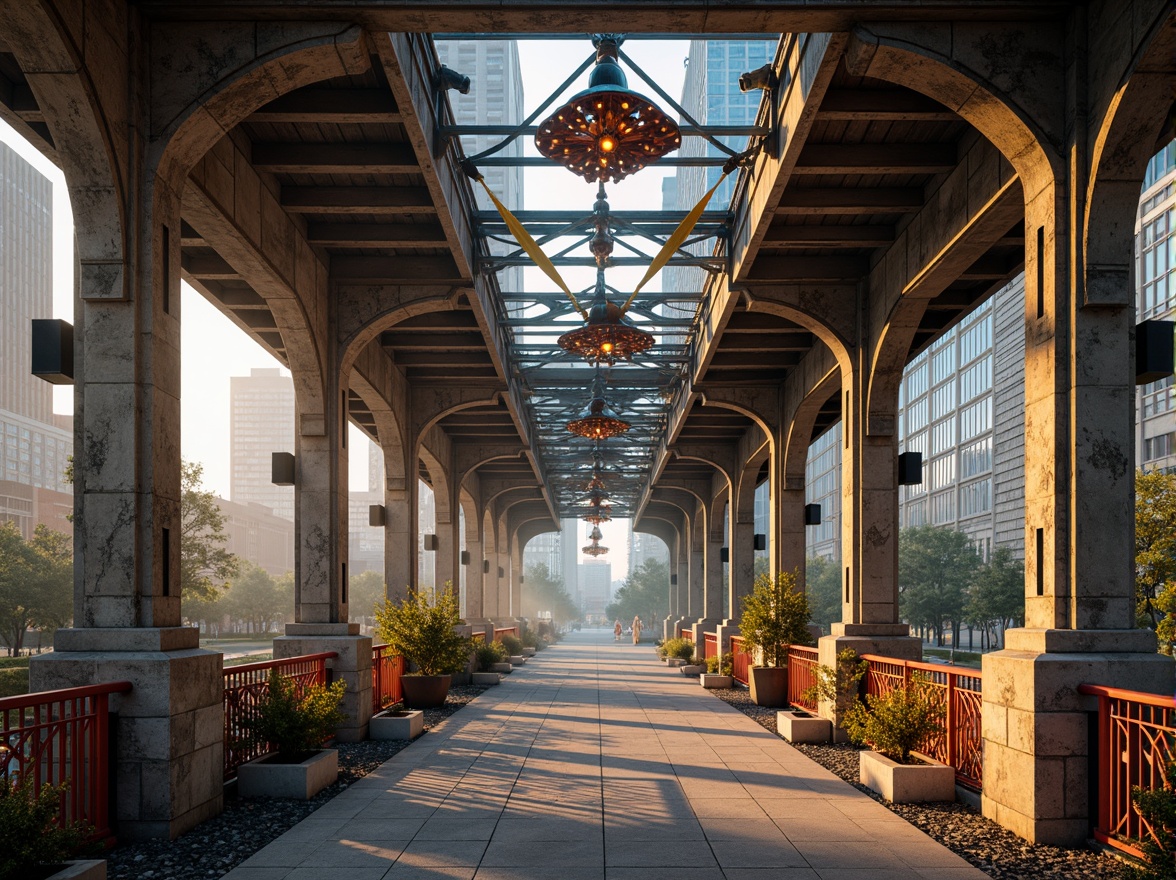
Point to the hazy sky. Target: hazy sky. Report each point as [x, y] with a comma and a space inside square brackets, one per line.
[214, 349]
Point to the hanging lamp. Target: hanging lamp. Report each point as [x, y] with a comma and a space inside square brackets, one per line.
[608, 131]
[598, 421]
[607, 336]
[594, 549]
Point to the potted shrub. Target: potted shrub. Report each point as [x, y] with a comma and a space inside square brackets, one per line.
[718, 672]
[531, 643]
[423, 632]
[488, 655]
[514, 649]
[775, 615]
[294, 723]
[34, 846]
[894, 726]
[678, 651]
[397, 722]
[838, 687]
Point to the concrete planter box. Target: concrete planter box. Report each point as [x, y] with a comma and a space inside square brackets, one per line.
[674, 662]
[803, 727]
[504, 668]
[83, 869]
[518, 660]
[713, 680]
[907, 783]
[408, 725]
[486, 679]
[262, 777]
[529, 652]
[693, 669]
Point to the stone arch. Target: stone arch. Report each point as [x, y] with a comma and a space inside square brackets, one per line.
[1128, 136]
[440, 486]
[1028, 130]
[363, 315]
[389, 431]
[800, 428]
[746, 480]
[814, 314]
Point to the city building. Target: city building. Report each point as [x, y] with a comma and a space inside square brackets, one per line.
[35, 444]
[261, 422]
[545, 549]
[257, 535]
[595, 578]
[644, 547]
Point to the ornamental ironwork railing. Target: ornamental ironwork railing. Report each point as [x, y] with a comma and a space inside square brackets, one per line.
[802, 675]
[61, 736]
[387, 668]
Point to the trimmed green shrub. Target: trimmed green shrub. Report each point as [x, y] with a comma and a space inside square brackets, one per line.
[839, 686]
[680, 648]
[422, 632]
[724, 665]
[293, 723]
[486, 654]
[513, 645]
[29, 829]
[897, 723]
[1158, 809]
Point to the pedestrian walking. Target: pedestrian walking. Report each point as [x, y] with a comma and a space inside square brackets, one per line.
[617, 631]
[636, 629]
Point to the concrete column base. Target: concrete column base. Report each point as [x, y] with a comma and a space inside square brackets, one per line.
[353, 665]
[725, 630]
[170, 728]
[886, 640]
[668, 627]
[1036, 726]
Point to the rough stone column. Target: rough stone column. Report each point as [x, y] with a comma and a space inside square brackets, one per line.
[712, 603]
[127, 527]
[475, 608]
[742, 565]
[400, 537]
[1079, 549]
[489, 565]
[516, 580]
[502, 561]
[788, 551]
[446, 559]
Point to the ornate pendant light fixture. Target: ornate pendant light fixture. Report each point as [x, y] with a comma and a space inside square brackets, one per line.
[598, 421]
[607, 131]
[608, 336]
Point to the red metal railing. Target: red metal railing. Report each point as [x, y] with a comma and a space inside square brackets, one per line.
[802, 675]
[386, 671]
[687, 634]
[245, 685]
[63, 736]
[1136, 739]
[506, 631]
[710, 645]
[740, 660]
[959, 743]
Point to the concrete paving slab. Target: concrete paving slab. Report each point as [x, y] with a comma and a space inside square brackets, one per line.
[590, 763]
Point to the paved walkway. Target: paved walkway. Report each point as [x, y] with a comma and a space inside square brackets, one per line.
[596, 761]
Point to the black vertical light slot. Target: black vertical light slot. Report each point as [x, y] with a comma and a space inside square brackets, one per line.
[1040, 271]
[1041, 562]
[847, 584]
[343, 584]
[166, 270]
[166, 553]
[343, 419]
[844, 419]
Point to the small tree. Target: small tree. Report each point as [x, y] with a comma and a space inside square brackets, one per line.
[775, 615]
[896, 723]
[423, 632]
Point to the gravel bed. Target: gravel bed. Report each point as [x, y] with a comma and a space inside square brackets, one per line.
[215, 847]
[994, 850]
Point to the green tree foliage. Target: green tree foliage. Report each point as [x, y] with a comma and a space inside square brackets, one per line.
[839, 685]
[204, 562]
[1155, 551]
[544, 593]
[996, 598]
[645, 593]
[1158, 809]
[255, 599]
[822, 581]
[775, 615]
[364, 592]
[935, 568]
[36, 583]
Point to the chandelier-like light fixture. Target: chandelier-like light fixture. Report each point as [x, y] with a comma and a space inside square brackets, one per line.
[598, 515]
[607, 131]
[607, 336]
[598, 421]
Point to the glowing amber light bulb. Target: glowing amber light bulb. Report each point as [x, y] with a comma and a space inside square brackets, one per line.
[607, 143]
[606, 347]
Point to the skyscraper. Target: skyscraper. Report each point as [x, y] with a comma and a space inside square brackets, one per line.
[261, 422]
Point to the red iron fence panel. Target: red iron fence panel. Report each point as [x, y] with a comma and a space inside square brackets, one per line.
[1136, 741]
[687, 634]
[506, 631]
[959, 742]
[245, 685]
[802, 675]
[63, 736]
[386, 671]
[710, 645]
[740, 660]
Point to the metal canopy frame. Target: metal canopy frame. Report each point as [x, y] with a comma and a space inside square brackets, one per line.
[552, 386]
